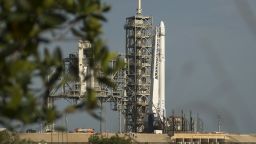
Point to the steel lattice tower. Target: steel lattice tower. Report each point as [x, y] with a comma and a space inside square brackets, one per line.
[139, 47]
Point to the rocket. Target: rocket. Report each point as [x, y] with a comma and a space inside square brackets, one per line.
[162, 70]
[158, 86]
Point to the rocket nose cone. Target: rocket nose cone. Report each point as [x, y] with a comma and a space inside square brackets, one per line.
[162, 28]
[161, 24]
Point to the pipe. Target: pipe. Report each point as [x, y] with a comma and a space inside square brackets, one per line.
[139, 10]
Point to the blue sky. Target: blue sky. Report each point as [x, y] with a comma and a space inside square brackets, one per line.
[210, 60]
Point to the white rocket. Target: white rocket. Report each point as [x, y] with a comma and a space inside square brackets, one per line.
[158, 96]
[162, 68]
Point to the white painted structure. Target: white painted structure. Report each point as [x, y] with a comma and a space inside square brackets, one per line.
[162, 70]
[158, 94]
[82, 45]
[158, 131]
[2, 129]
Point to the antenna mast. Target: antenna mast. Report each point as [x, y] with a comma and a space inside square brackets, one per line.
[139, 10]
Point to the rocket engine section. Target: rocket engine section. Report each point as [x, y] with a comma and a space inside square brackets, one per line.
[158, 79]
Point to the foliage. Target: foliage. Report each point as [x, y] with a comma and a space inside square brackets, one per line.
[24, 25]
[112, 140]
[10, 138]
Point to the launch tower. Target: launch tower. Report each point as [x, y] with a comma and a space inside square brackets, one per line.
[145, 85]
[139, 47]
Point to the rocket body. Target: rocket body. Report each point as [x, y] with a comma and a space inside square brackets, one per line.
[155, 89]
[162, 70]
[158, 95]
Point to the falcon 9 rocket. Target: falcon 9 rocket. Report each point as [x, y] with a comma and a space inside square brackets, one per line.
[158, 86]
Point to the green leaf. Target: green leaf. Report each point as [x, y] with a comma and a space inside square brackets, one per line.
[77, 33]
[16, 96]
[70, 109]
[23, 31]
[106, 8]
[52, 19]
[99, 17]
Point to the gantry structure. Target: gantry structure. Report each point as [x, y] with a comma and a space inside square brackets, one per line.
[72, 85]
[132, 96]
[138, 54]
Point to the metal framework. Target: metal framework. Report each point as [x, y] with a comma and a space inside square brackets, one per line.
[139, 49]
[133, 93]
[70, 85]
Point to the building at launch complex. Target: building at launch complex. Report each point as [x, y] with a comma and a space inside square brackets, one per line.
[140, 92]
[139, 95]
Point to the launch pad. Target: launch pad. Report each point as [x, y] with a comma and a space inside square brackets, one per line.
[140, 91]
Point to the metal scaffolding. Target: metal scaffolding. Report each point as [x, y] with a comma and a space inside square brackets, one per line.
[70, 85]
[139, 49]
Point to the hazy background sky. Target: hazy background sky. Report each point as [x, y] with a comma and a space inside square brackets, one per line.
[210, 60]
